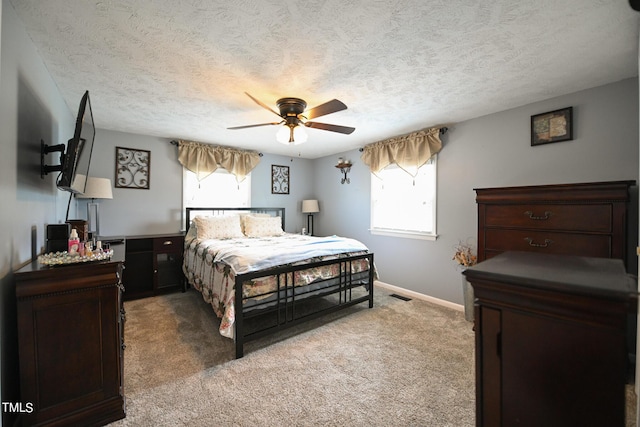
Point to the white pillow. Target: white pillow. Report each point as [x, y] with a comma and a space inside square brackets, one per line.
[218, 227]
[243, 217]
[258, 226]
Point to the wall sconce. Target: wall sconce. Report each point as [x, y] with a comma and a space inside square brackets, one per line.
[344, 166]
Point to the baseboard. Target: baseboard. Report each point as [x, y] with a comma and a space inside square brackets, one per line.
[418, 295]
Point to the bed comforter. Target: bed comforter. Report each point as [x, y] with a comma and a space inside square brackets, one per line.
[211, 266]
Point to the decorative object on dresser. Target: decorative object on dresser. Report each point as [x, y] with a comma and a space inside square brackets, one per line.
[310, 207]
[258, 286]
[133, 168]
[586, 219]
[551, 344]
[153, 265]
[96, 188]
[554, 126]
[82, 228]
[71, 343]
[279, 179]
[58, 237]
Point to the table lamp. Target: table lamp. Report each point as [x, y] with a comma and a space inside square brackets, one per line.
[97, 188]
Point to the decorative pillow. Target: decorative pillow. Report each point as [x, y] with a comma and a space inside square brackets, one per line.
[243, 217]
[218, 227]
[259, 226]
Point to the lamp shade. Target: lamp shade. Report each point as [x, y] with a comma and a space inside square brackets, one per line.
[97, 188]
[283, 135]
[310, 206]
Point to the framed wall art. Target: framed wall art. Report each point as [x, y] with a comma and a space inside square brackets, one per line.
[279, 179]
[554, 126]
[133, 167]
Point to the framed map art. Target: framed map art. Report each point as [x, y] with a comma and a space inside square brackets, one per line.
[279, 179]
[132, 168]
[554, 126]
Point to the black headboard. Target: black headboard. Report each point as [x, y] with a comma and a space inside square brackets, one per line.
[227, 211]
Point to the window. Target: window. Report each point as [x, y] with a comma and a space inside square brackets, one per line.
[402, 205]
[220, 190]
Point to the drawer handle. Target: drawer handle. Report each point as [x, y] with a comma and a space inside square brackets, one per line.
[546, 243]
[167, 242]
[547, 215]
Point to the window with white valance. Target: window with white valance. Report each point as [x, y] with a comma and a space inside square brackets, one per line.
[204, 159]
[403, 184]
[409, 152]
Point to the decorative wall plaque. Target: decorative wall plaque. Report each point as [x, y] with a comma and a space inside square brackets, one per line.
[132, 168]
[279, 179]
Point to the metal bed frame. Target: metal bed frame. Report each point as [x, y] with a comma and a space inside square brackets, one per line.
[286, 306]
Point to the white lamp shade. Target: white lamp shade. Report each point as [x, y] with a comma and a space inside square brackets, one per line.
[310, 206]
[284, 133]
[97, 188]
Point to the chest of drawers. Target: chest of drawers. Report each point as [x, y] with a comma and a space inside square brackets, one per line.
[588, 219]
[551, 346]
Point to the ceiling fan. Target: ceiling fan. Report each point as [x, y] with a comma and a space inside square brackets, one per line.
[293, 115]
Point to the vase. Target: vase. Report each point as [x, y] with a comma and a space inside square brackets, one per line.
[467, 293]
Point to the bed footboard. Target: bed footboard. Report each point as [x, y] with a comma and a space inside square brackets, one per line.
[292, 304]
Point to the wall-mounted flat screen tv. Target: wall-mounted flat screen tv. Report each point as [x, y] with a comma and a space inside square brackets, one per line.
[77, 158]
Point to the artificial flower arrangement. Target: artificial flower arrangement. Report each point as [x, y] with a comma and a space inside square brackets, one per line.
[464, 255]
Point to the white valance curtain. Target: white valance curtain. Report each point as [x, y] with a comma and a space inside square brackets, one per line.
[409, 152]
[204, 159]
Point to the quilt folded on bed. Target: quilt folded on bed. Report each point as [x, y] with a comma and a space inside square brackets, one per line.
[244, 255]
[247, 255]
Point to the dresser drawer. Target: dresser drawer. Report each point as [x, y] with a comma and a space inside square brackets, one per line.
[593, 245]
[168, 244]
[593, 218]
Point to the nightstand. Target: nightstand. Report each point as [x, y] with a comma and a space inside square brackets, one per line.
[153, 265]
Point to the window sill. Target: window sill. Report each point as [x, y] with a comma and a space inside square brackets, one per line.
[404, 234]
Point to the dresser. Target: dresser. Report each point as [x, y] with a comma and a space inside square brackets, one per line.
[71, 342]
[550, 339]
[588, 219]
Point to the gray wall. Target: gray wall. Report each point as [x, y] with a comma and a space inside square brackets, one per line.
[159, 209]
[31, 109]
[490, 151]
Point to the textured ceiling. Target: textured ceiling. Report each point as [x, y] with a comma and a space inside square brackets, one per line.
[179, 68]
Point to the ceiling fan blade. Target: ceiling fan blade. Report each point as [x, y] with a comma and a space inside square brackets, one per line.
[253, 126]
[333, 128]
[263, 105]
[324, 109]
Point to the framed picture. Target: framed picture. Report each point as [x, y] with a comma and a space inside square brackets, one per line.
[132, 168]
[279, 179]
[554, 126]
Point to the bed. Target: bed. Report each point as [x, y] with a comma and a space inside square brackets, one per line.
[259, 279]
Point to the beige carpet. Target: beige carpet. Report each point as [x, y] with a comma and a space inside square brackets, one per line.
[399, 363]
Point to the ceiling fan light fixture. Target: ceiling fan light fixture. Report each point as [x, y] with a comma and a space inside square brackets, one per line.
[291, 135]
[294, 119]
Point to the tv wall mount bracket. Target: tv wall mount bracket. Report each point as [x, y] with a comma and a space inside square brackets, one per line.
[46, 149]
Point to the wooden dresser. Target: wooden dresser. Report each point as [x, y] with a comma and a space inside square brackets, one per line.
[573, 219]
[551, 347]
[70, 342]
